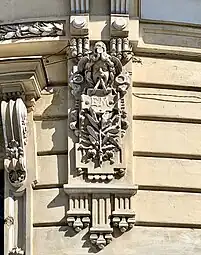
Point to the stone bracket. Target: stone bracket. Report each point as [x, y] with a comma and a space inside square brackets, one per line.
[14, 121]
[100, 208]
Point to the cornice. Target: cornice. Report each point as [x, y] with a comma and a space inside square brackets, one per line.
[25, 76]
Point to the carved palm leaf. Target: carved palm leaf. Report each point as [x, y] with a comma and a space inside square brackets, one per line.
[93, 114]
[112, 130]
[105, 139]
[116, 120]
[92, 139]
[92, 121]
[93, 133]
[113, 141]
[106, 120]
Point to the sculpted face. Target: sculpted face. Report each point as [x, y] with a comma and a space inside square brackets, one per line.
[100, 71]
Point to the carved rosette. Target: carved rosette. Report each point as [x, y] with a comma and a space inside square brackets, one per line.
[14, 121]
[99, 118]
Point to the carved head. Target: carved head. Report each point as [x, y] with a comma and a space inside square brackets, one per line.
[99, 48]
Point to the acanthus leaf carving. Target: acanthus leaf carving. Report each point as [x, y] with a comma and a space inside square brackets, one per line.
[14, 120]
[99, 84]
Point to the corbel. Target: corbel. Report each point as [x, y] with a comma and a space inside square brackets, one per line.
[102, 208]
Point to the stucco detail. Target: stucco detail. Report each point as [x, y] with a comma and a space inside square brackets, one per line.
[99, 118]
[32, 29]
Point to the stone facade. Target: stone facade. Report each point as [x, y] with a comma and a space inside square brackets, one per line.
[100, 121]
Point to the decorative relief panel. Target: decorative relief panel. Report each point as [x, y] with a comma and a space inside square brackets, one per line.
[99, 119]
[31, 29]
[100, 135]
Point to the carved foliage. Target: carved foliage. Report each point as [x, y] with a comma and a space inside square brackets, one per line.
[33, 29]
[99, 119]
[14, 118]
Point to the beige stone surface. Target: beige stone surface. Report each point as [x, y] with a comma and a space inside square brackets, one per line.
[52, 103]
[52, 169]
[56, 67]
[22, 9]
[165, 137]
[168, 207]
[167, 172]
[167, 71]
[150, 206]
[138, 241]
[171, 35]
[166, 103]
[49, 205]
[51, 135]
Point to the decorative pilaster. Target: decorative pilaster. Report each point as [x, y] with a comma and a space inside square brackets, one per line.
[123, 215]
[100, 130]
[22, 80]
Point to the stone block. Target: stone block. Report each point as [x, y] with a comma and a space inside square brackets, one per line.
[166, 137]
[166, 103]
[52, 169]
[167, 72]
[51, 135]
[167, 207]
[52, 104]
[180, 173]
[56, 67]
[49, 206]
[139, 240]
